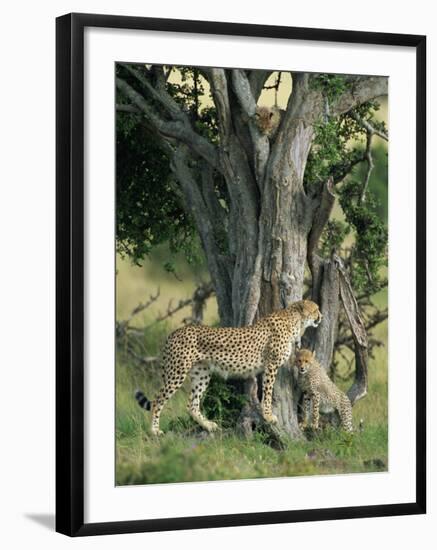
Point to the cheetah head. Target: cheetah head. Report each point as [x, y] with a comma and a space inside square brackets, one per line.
[310, 313]
[304, 359]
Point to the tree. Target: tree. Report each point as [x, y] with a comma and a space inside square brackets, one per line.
[262, 206]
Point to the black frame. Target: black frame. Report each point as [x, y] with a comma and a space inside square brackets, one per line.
[70, 276]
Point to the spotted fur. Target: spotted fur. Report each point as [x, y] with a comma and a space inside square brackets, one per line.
[320, 391]
[231, 352]
[268, 119]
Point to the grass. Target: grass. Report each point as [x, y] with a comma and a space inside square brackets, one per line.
[185, 453]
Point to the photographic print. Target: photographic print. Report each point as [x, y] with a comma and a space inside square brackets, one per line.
[251, 274]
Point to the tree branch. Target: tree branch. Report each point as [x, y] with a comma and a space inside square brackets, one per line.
[178, 129]
[260, 142]
[376, 319]
[123, 326]
[122, 108]
[215, 209]
[195, 202]
[325, 292]
[341, 171]
[257, 78]
[161, 97]
[370, 166]
[321, 217]
[370, 129]
[219, 89]
[295, 133]
[359, 387]
[243, 91]
[361, 89]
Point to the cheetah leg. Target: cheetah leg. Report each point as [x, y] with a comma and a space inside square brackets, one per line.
[345, 411]
[172, 382]
[306, 411]
[200, 377]
[316, 410]
[267, 386]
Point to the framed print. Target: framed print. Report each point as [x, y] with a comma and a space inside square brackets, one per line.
[240, 274]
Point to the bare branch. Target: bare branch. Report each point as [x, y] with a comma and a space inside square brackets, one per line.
[261, 145]
[326, 294]
[242, 89]
[127, 108]
[201, 294]
[131, 339]
[376, 319]
[219, 88]
[321, 217]
[359, 387]
[217, 213]
[257, 78]
[141, 307]
[297, 104]
[340, 172]
[161, 97]
[196, 204]
[370, 166]
[294, 136]
[123, 326]
[370, 129]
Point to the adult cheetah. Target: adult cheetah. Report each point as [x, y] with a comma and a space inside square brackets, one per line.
[231, 352]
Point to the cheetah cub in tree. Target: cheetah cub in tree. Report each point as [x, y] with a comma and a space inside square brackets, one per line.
[241, 352]
[268, 120]
[319, 389]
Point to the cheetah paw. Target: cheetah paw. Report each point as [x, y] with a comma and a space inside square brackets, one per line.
[211, 426]
[271, 418]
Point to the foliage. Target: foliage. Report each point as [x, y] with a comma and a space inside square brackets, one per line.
[333, 236]
[150, 209]
[331, 85]
[338, 151]
[222, 403]
[378, 185]
[369, 252]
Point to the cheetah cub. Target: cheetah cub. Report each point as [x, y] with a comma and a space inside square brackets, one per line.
[319, 389]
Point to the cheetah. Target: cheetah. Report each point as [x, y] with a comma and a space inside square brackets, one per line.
[241, 352]
[319, 389]
[267, 120]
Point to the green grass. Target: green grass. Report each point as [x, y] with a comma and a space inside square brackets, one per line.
[178, 457]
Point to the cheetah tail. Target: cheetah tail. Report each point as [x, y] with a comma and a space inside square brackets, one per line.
[142, 400]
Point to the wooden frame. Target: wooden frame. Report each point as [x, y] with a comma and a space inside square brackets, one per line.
[70, 274]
